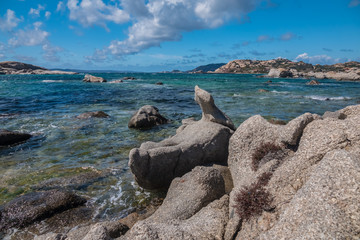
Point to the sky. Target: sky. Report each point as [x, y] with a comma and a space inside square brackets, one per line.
[163, 35]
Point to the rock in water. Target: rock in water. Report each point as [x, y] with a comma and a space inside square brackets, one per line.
[313, 82]
[97, 114]
[91, 78]
[146, 117]
[209, 110]
[9, 137]
[36, 206]
[155, 165]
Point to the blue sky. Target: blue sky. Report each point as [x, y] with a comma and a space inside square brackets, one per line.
[157, 35]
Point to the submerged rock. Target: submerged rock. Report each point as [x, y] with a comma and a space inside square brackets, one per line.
[263, 90]
[196, 143]
[10, 137]
[129, 78]
[313, 82]
[97, 114]
[36, 206]
[190, 210]
[91, 78]
[146, 117]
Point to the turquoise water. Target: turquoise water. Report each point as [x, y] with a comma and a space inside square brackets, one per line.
[64, 146]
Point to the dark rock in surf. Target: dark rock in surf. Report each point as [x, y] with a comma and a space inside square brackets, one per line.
[10, 137]
[146, 117]
[97, 114]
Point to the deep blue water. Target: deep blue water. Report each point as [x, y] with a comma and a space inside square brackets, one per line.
[47, 105]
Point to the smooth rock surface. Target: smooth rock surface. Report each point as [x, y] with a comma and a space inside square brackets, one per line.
[91, 78]
[146, 117]
[36, 206]
[190, 209]
[10, 137]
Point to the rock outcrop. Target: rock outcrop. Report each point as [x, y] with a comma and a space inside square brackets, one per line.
[91, 78]
[36, 206]
[195, 208]
[10, 137]
[313, 82]
[312, 175]
[155, 165]
[146, 117]
[10, 67]
[97, 114]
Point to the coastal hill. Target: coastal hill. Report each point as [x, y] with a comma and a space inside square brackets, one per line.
[10, 67]
[207, 68]
[285, 68]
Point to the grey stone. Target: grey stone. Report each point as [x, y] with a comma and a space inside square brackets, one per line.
[337, 115]
[190, 209]
[327, 206]
[155, 165]
[10, 137]
[146, 117]
[209, 110]
[91, 78]
[36, 206]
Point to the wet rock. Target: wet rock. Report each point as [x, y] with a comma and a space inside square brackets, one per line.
[159, 83]
[10, 137]
[97, 114]
[146, 117]
[263, 90]
[129, 78]
[209, 110]
[91, 78]
[117, 81]
[190, 209]
[36, 206]
[313, 82]
[286, 74]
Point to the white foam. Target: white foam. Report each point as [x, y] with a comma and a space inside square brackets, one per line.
[52, 81]
[322, 98]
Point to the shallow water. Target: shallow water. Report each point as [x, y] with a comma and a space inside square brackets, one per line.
[63, 146]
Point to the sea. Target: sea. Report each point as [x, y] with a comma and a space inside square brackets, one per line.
[63, 146]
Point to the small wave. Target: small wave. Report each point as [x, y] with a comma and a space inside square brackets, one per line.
[52, 81]
[237, 95]
[280, 92]
[322, 98]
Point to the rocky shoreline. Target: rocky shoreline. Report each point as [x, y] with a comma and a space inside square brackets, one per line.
[257, 181]
[9, 67]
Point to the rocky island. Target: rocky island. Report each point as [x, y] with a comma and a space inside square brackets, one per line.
[283, 68]
[10, 67]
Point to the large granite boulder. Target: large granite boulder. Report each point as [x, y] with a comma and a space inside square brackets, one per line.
[202, 142]
[91, 78]
[190, 210]
[36, 206]
[146, 117]
[311, 176]
[10, 137]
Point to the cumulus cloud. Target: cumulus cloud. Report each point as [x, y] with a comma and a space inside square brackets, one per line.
[156, 21]
[319, 59]
[60, 6]
[47, 14]
[9, 21]
[29, 37]
[95, 12]
[36, 11]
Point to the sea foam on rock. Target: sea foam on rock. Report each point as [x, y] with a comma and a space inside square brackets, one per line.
[155, 165]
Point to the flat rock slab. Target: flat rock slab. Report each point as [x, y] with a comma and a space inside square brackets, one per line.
[36, 206]
[9, 137]
[91, 78]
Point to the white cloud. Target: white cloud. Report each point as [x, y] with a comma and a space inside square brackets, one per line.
[47, 14]
[50, 52]
[319, 59]
[9, 21]
[60, 7]
[29, 37]
[36, 12]
[354, 3]
[95, 12]
[157, 21]
[288, 36]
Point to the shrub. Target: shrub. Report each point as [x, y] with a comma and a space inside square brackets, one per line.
[261, 152]
[252, 200]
